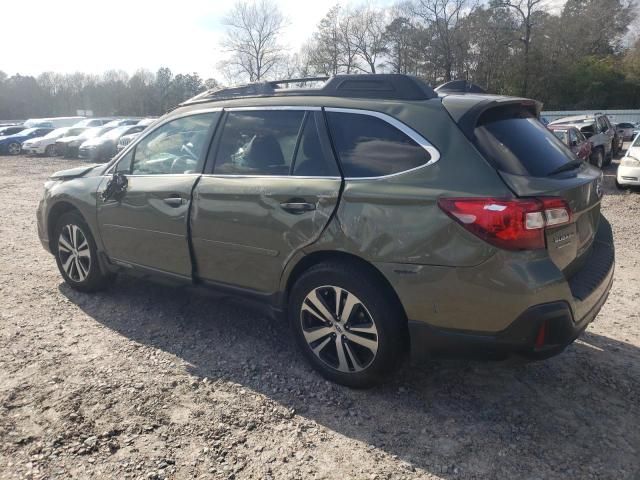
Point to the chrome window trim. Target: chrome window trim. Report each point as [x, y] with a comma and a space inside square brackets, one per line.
[156, 125]
[281, 177]
[272, 107]
[408, 131]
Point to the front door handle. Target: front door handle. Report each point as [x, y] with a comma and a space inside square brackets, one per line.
[173, 201]
[298, 207]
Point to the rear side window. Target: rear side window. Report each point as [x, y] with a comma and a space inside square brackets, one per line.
[368, 146]
[514, 141]
[258, 142]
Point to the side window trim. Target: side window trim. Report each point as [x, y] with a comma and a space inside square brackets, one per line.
[408, 131]
[215, 142]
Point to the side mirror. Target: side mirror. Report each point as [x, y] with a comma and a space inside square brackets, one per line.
[116, 187]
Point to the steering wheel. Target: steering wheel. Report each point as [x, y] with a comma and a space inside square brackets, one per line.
[181, 164]
[185, 148]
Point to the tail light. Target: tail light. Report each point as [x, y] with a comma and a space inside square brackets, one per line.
[512, 224]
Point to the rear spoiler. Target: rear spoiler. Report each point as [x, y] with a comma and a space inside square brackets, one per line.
[467, 109]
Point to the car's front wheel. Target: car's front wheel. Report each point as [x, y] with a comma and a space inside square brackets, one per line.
[347, 324]
[76, 254]
[14, 148]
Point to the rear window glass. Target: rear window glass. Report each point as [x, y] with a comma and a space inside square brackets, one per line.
[516, 142]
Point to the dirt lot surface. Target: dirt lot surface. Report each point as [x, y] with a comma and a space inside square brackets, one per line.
[147, 381]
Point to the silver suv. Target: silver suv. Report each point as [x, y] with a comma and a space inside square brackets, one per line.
[600, 132]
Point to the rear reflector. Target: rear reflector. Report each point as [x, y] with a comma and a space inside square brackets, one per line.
[512, 224]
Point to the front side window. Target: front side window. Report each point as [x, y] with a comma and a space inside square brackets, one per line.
[177, 147]
[258, 142]
[313, 157]
[368, 146]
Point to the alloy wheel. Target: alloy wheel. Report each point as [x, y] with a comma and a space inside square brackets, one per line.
[14, 148]
[339, 329]
[74, 253]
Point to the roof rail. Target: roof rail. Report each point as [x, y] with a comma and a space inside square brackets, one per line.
[459, 86]
[386, 86]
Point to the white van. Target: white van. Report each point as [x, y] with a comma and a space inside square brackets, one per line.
[54, 122]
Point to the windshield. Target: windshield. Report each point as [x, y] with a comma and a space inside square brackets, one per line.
[636, 142]
[72, 132]
[94, 132]
[514, 141]
[58, 132]
[116, 132]
[29, 131]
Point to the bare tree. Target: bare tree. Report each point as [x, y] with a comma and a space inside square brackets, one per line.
[442, 19]
[252, 38]
[367, 35]
[526, 10]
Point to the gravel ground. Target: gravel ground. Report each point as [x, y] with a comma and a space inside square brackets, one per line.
[147, 381]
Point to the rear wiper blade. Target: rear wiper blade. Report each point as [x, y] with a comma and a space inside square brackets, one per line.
[573, 164]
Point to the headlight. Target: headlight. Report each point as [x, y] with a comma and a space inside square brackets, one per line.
[630, 162]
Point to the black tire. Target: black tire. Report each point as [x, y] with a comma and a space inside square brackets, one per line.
[597, 158]
[376, 309]
[50, 151]
[612, 154]
[14, 148]
[81, 273]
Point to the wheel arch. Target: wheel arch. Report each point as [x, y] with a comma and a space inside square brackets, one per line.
[55, 212]
[336, 256]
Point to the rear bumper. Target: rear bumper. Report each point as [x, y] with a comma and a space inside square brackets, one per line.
[521, 337]
[542, 330]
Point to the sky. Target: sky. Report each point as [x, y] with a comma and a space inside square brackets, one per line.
[97, 35]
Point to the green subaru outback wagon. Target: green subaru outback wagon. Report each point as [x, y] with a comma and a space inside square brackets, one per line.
[380, 216]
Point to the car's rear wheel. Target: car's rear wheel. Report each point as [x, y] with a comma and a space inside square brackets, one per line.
[346, 324]
[14, 148]
[50, 151]
[597, 158]
[76, 254]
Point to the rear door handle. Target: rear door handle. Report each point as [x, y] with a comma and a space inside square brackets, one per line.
[298, 207]
[173, 201]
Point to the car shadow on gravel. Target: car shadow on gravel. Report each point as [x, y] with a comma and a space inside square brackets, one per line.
[576, 411]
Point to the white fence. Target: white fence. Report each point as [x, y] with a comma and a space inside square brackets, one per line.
[616, 116]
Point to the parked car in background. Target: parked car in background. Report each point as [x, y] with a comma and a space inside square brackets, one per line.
[104, 147]
[11, 130]
[602, 135]
[53, 122]
[382, 217]
[93, 122]
[120, 122]
[46, 145]
[628, 173]
[625, 130]
[12, 144]
[68, 146]
[574, 139]
[127, 139]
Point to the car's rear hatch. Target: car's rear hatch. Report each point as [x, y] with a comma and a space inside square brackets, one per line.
[533, 162]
